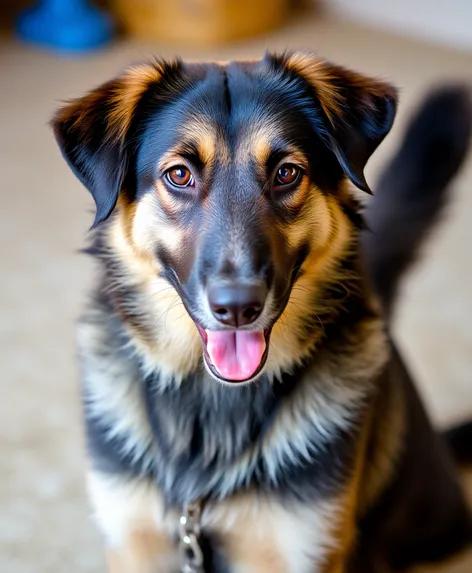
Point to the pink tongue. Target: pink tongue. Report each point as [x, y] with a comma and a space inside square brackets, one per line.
[235, 355]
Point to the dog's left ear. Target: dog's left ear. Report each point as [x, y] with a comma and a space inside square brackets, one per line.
[357, 111]
[94, 132]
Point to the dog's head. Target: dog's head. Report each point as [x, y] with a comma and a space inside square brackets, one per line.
[229, 180]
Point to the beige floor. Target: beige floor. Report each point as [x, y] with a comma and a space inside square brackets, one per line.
[44, 214]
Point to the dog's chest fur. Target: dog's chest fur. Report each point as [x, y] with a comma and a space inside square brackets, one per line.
[247, 533]
[273, 454]
[199, 439]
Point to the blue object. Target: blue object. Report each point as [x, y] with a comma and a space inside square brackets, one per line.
[69, 26]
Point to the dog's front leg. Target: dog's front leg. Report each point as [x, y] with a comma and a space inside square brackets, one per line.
[263, 534]
[143, 551]
[131, 516]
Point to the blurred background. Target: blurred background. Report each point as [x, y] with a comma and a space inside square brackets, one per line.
[58, 49]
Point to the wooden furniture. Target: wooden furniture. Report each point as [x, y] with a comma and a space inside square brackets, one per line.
[202, 22]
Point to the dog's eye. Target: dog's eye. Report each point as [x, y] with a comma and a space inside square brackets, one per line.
[180, 176]
[287, 174]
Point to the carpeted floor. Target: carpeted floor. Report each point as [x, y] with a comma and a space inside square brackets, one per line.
[44, 520]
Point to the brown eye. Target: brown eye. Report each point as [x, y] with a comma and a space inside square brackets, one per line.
[287, 174]
[180, 177]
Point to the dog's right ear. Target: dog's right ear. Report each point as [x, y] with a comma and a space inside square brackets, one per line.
[357, 111]
[93, 132]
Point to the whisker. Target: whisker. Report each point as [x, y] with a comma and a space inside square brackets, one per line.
[167, 308]
[173, 305]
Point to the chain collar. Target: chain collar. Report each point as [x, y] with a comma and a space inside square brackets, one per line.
[191, 555]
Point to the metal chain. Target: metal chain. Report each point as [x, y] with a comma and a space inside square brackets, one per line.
[191, 554]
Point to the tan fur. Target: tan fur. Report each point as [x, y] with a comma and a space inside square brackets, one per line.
[122, 95]
[133, 84]
[131, 516]
[143, 552]
[205, 136]
[315, 221]
[330, 81]
[331, 232]
[321, 76]
[256, 143]
[258, 534]
[169, 327]
[261, 149]
[261, 535]
[207, 146]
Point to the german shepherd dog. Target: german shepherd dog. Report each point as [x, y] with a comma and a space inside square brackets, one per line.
[239, 381]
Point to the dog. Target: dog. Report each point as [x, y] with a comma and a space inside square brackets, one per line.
[245, 406]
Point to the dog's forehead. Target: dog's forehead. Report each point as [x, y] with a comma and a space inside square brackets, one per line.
[237, 106]
[237, 113]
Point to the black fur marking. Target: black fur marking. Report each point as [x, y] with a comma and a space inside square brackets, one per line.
[108, 452]
[227, 92]
[214, 560]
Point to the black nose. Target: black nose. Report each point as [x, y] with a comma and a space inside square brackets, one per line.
[237, 304]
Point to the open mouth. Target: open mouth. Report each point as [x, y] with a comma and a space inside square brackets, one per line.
[235, 356]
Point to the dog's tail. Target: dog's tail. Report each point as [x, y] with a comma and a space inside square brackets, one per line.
[410, 195]
[414, 187]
